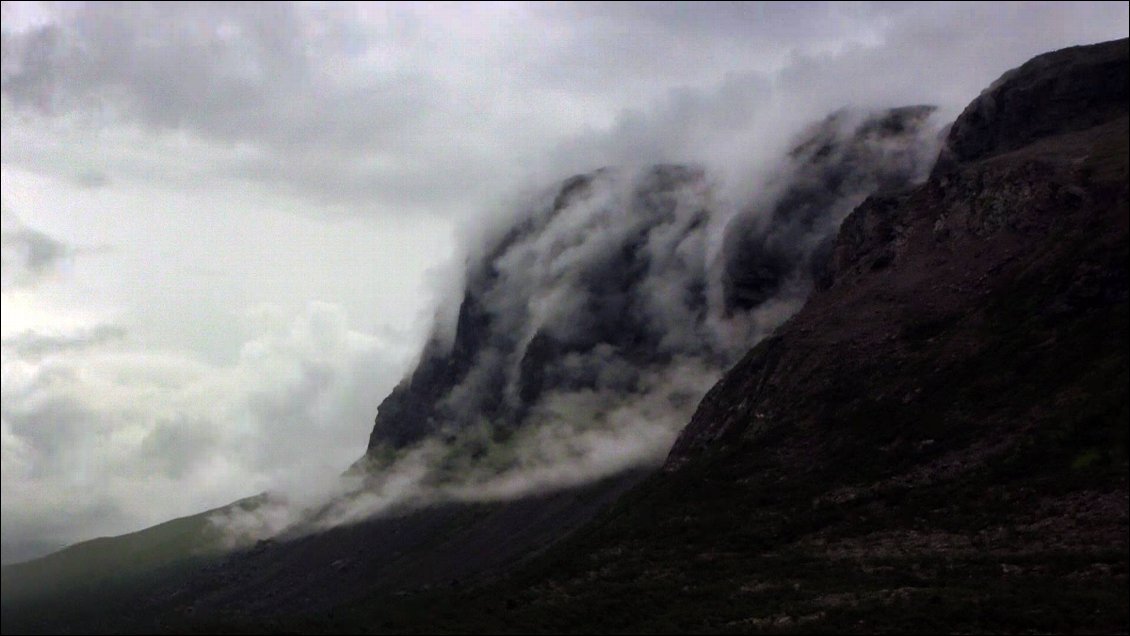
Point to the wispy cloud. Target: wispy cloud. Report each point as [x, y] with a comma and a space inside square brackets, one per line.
[29, 255]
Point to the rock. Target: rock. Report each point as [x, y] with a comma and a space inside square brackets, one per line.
[921, 265]
[1062, 91]
[844, 158]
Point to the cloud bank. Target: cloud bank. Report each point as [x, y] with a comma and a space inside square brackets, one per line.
[590, 330]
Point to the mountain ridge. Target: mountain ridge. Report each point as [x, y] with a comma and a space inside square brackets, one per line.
[937, 441]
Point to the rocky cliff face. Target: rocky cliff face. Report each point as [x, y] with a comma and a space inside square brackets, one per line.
[828, 177]
[1062, 91]
[608, 288]
[1033, 197]
[936, 442]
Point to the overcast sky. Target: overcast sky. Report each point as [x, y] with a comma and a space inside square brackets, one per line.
[226, 227]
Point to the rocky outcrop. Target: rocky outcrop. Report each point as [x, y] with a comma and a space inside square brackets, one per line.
[607, 279]
[1025, 197]
[1062, 91]
[517, 338]
[844, 159]
[936, 442]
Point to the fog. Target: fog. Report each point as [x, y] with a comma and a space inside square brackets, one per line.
[590, 328]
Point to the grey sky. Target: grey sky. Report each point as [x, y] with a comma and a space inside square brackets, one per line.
[226, 226]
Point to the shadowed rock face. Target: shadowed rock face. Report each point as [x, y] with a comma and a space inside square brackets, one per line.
[1034, 190]
[559, 303]
[609, 278]
[829, 174]
[1062, 91]
[937, 441]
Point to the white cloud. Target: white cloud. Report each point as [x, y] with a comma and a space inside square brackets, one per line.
[28, 255]
[118, 438]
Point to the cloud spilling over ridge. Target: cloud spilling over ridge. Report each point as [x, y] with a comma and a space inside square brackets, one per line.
[590, 329]
[616, 272]
[578, 437]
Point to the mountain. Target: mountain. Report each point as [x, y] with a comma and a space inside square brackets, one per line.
[936, 441]
[588, 314]
[633, 247]
[608, 279]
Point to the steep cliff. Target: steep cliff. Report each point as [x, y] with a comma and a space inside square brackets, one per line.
[1018, 238]
[936, 442]
[609, 280]
[1063, 91]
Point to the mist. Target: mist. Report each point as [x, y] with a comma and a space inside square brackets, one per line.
[591, 326]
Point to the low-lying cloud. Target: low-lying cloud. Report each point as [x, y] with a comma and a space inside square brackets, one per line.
[106, 433]
[574, 438]
[590, 329]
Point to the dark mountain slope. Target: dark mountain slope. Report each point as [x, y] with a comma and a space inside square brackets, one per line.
[266, 586]
[936, 442]
[112, 560]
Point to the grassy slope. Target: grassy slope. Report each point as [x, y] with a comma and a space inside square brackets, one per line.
[144, 582]
[107, 562]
